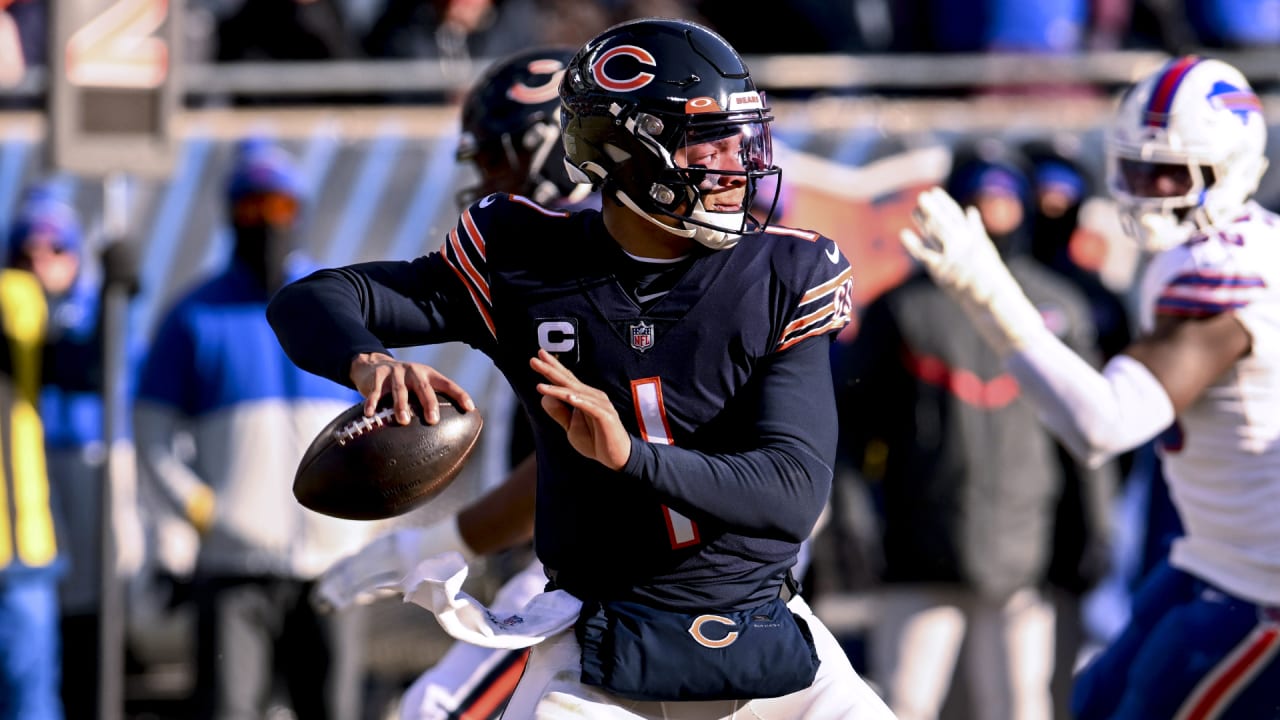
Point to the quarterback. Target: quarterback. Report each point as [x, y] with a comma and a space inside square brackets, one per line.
[671, 351]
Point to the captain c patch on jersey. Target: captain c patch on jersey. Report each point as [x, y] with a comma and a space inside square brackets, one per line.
[559, 336]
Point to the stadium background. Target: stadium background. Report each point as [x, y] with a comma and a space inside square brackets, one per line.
[857, 138]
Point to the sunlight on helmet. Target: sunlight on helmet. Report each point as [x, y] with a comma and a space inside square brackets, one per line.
[663, 115]
[1186, 150]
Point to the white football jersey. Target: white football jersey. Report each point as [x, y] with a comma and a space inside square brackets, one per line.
[1222, 457]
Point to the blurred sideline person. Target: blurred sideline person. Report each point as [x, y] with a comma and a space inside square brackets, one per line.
[29, 562]
[970, 480]
[1062, 187]
[511, 136]
[1185, 156]
[685, 424]
[46, 239]
[214, 371]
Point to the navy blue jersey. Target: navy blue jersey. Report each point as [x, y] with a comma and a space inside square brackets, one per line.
[724, 384]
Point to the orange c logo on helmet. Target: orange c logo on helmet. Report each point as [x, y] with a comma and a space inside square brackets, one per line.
[538, 94]
[635, 82]
[696, 631]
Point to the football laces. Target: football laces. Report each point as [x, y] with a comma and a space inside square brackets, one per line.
[356, 428]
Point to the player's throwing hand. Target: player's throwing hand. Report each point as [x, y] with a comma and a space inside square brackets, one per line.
[376, 374]
[585, 413]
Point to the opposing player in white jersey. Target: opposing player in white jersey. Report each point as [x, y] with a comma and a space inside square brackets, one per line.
[511, 137]
[1185, 156]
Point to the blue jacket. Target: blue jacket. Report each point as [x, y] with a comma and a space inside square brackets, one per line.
[216, 372]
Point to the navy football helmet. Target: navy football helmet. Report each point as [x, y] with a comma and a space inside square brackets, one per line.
[511, 129]
[663, 115]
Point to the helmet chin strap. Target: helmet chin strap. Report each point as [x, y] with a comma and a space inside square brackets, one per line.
[705, 234]
[631, 204]
[1156, 231]
[714, 238]
[711, 237]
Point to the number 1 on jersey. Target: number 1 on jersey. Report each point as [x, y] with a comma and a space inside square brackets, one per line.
[651, 414]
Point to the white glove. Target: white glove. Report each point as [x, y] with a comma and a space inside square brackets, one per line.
[957, 253]
[379, 568]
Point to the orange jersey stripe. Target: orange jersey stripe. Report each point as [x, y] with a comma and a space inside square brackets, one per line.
[497, 694]
[835, 324]
[827, 286]
[807, 319]
[477, 279]
[473, 232]
[475, 298]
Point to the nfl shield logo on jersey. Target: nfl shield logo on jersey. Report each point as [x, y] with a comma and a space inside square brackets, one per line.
[642, 336]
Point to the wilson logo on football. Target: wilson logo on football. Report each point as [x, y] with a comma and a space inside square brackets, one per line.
[636, 81]
[527, 94]
[702, 620]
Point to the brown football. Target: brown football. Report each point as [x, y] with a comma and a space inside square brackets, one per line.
[373, 468]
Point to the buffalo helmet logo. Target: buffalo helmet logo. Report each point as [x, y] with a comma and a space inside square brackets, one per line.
[1239, 101]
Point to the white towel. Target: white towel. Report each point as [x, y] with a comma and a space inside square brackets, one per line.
[436, 584]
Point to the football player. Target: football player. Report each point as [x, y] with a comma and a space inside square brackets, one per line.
[511, 131]
[1185, 156]
[672, 353]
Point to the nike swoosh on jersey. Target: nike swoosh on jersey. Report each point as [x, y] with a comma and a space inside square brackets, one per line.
[647, 298]
[833, 254]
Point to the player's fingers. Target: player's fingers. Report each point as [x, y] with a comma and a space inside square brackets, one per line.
[974, 218]
[400, 396]
[418, 379]
[560, 392]
[447, 386]
[913, 244]
[594, 404]
[552, 369]
[375, 390]
[558, 411]
[939, 210]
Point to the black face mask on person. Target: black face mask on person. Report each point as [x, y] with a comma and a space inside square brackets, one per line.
[261, 249]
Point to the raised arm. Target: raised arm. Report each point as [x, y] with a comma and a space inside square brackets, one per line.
[1096, 414]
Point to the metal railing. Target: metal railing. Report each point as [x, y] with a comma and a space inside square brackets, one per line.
[900, 73]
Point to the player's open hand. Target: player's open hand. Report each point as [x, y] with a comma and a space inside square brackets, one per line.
[953, 245]
[376, 374]
[956, 250]
[585, 413]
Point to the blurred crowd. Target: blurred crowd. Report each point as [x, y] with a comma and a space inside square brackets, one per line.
[1048, 550]
[238, 30]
